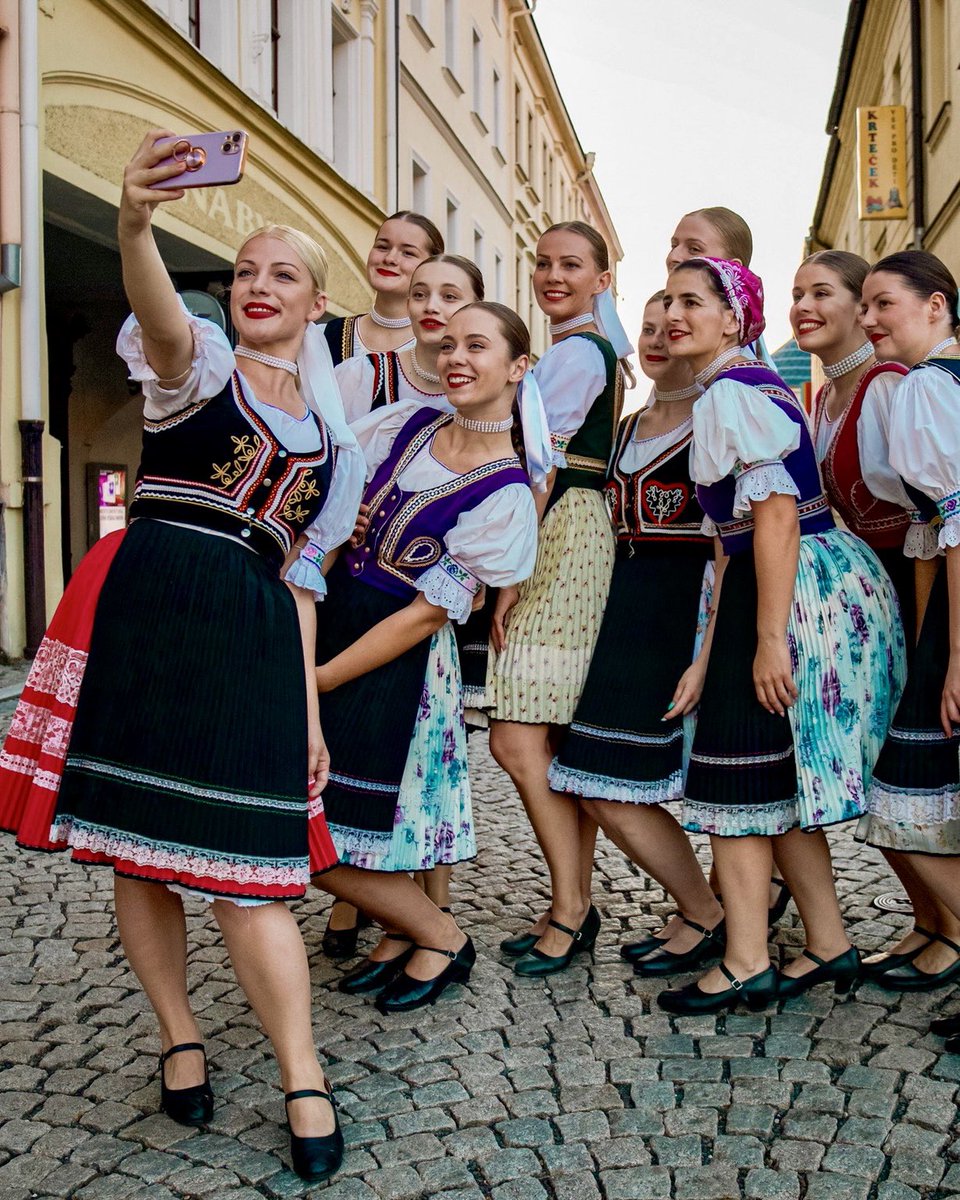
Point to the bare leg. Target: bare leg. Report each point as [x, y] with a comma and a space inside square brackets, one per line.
[399, 905]
[436, 884]
[743, 866]
[941, 877]
[588, 850]
[927, 911]
[154, 937]
[652, 839]
[805, 861]
[525, 753]
[270, 963]
[342, 916]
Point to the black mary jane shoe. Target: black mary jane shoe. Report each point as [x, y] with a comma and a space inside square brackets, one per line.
[404, 993]
[910, 978]
[535, 964]
[947, 1027]
[877, 965]
[757, 993]
[315, 1158]
[711, 944]
[632, 952]
[372, 976]
[779, 906]
[342, 943]
[520, 944]
[843, 971]
[190, 1105]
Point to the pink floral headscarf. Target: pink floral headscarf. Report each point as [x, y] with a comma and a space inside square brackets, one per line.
[744, 293]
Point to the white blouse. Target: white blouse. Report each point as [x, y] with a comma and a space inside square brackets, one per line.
[213, 364]
[925, 442]
[873, 444]
[356, 378]
[360, 348]
[571, 375]
[494, 543]
[641, 452]
[739, 431]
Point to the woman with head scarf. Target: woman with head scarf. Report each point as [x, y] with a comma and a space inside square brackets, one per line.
[806, 652]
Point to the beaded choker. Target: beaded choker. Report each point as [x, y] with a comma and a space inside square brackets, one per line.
[845, 365]
[482, 426]
[687, 393]
[388, 322]
[268, 360]
[708, 372]
[950, 341]
[573, 323]
[429, 376]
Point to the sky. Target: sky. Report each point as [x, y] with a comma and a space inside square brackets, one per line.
[691, 103]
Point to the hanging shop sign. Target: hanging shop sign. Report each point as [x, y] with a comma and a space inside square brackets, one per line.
[882, 162]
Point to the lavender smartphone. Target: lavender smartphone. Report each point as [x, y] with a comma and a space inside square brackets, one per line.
[210, 159]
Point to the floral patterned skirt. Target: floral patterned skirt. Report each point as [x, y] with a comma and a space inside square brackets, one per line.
[914, 802]
[752, 773]
[552, 630]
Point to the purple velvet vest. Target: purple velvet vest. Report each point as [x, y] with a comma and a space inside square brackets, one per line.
[736, 533]
[406, 533]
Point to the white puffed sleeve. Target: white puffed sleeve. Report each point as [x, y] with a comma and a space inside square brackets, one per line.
[925, 442]
[377, 431]
[493, 544]
[356, 377]
[213, 364]
[571, 375]
[739, 431]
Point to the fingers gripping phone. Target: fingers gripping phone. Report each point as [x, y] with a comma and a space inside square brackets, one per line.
[209, 159]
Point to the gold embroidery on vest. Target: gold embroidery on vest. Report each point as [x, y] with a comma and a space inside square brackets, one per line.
[306, 489]
[244, 449]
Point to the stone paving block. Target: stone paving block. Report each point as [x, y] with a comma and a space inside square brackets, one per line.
[571, 1159]
[514, 1163]
[636, 1183]
[578, 1185]
[810, 1126]
[890, 1189]
[526, 1131]
[866, 1162]
[444, 1174]
[583, 1126]
[531, 1104]
[870, 1077]
[484, 1110]
[950, 1182]
[755, 1119]
[827, 1186]
[787, 1155]
[622, 1152]
[706, 1183]
[414, 1148]
[860, 1131]
[753, 1068]
[871, 1104]
[677, 1152]
[396, 1183]
[684, 1120]
[426, 1120]
[471, 1145]
[520, 1189]
[740, 1151]
[917, 1170]
[763, 1184]
[914, 1139]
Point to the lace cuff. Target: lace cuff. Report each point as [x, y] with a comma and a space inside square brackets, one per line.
[305, 572]
[130, 348]
[708, 527]
[921, 540]
[949, 532]
[559, 444]
[451, 586]
[758, 481]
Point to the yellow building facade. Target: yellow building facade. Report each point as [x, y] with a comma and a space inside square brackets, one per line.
[344, 102]
[900, 52]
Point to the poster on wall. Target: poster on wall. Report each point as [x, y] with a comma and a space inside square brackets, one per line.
[106, 499]
[882, 162]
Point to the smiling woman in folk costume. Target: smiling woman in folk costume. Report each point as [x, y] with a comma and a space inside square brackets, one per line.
[403, 241]
[851, 421]
[196, 757]
[911, 315]
[545, 632]
[450, 510]
[806, 657]
[618, 754]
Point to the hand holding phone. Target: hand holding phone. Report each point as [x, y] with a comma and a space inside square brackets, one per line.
[207, 159]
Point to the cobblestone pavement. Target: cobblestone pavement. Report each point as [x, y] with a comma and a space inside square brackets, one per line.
[571, 1089]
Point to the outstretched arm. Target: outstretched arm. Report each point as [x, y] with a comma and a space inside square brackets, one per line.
[387, 640]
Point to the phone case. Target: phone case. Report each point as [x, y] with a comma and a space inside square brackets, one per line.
[211, 159]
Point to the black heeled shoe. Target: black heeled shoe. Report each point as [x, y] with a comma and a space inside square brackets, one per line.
[190, 1105]
[779, 906]
[843, 971]
[910, 978]
[536, 964]
[879, 964]
[315, 1158]
[342, 943]
[632, 952]
[711, 944]
[947, 1027]
[404, 993]
[371, 976]
[520, 944]
[757, 993]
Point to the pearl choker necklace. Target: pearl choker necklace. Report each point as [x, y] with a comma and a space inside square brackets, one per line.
[388, 322]
[950, 341]
[708, 372]
[429, 376]
[687, 393]
[268, 360]
[482, 426]
[846, 365]
[573, 323]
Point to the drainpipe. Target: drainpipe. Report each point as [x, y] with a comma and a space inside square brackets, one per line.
[916, 127]
[31, 316]
[9, 149]
[392, 22]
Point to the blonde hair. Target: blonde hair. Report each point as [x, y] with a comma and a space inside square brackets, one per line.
[307, 249]
[733, 230]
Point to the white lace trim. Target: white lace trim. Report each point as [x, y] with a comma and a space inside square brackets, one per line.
[921, 541]
[130, 349]
[606, 787]
[305, 572]
[746, 820]
[758, 482]
[20, 764]
[449, 585]
[350, 842]
[708, 527]
[38, 726]
[949, 534]
[910, 806]
[57, 671]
